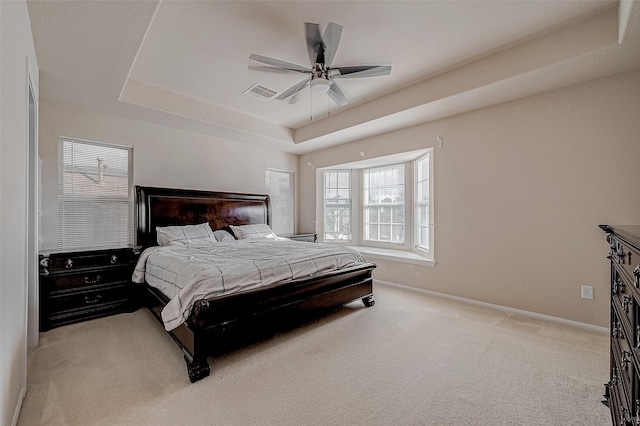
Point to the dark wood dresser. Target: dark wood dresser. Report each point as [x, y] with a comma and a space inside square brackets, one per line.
[76, 286]
[622, 393]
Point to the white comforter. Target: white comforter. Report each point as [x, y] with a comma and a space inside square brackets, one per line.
[189, 274]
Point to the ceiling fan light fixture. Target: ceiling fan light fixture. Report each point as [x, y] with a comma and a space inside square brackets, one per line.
[320, 85]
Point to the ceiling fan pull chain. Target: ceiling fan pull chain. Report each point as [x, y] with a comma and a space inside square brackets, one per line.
[310, 105]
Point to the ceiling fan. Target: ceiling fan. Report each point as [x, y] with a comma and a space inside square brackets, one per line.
[322, 76]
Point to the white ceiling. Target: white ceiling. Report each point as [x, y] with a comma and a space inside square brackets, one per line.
[185, 64]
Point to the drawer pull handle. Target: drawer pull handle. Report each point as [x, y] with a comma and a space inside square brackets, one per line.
[625, 358]
[90, 301]
[615, 330]
[114, 259]
[88, 280]
[68, 264]
[618, 287]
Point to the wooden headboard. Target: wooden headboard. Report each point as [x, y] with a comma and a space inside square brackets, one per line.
[171, 206]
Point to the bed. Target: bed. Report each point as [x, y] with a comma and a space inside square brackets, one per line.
[210, 320]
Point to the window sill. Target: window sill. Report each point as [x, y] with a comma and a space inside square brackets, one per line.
[402, 256]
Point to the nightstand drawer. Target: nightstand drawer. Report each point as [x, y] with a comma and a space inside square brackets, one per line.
[77, 315]
[95, 277]
[81, 260]
[89, 299]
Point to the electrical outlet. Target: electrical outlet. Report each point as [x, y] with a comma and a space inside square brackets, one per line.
[586, 292]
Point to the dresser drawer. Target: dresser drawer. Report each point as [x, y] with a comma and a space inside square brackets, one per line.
[626, 258]
[626, 371]
[620, 410]
[88, 278]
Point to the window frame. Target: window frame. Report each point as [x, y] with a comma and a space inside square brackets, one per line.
[65, 238]
[363, 232]
[351, 204]
[417, 203]
[292, 205]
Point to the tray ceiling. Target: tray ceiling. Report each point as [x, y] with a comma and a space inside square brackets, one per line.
[185, 64]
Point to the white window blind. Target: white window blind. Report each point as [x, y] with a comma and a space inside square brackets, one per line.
[384, 199]
[95, 194]
[280, 187]
[337, 205]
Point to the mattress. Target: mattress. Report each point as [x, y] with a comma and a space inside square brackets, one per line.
[186, 274]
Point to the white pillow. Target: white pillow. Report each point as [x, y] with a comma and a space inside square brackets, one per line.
[252, 231]
[189, 235]
[222, 235]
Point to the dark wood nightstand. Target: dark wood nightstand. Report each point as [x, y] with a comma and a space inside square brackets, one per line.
[310, 238]
[80, 285]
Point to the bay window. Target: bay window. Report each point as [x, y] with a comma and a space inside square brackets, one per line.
[382, 205]
[422, 202]
[337, 205]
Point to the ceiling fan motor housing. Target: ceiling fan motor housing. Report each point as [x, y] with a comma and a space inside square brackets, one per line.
[320, 79]
[319, 71]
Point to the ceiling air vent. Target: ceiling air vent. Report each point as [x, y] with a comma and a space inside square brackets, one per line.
[260, 92]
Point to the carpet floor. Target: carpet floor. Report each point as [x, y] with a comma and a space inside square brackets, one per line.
[412, 359]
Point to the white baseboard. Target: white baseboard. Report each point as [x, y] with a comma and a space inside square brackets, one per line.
[16, 413]
[529, 314]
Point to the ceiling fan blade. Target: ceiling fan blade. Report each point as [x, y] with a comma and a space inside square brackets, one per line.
[337, 94]
[279, 64]
[294, 89]
[361, 71]
[314, 40]
[331, 40]
[272, 69]
[295, 98]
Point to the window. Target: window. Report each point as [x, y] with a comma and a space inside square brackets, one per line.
[384, 204]
[337, 205]
[95, 194]
[422, 202]
[280, 187]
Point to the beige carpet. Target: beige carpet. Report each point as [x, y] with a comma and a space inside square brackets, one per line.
[412, 359]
